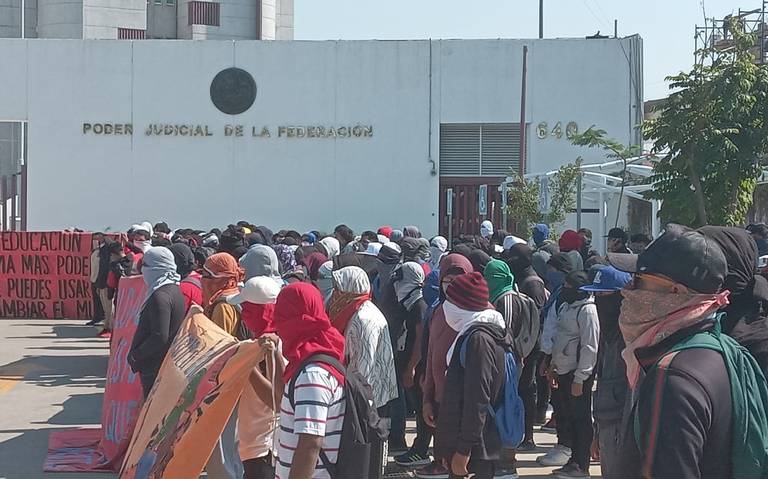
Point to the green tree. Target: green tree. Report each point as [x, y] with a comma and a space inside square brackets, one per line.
[596, 138]
[713, 133]
[523, 198]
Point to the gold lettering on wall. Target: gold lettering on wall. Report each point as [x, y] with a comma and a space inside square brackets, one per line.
[234, 131]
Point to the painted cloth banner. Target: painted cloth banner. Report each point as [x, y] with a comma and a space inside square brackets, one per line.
[83, 450]
[45, 275]
[196, 390]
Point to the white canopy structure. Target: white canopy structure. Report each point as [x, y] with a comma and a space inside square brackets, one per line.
[601, 187]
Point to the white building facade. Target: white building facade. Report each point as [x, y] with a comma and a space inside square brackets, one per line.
[358, 132]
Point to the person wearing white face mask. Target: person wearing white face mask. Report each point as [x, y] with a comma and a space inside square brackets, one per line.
[142, 239]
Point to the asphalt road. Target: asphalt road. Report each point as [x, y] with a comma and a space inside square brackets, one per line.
[52, 377]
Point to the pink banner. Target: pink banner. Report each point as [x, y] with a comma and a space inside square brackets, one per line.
[76, 450]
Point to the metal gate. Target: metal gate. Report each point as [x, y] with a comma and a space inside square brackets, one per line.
[13, 204]
[464, 215]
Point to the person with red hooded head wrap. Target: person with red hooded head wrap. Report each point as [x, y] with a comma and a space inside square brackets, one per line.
[315, 418]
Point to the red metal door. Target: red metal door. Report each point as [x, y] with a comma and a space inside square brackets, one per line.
[466, 216]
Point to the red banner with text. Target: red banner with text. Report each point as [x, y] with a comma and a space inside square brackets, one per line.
[45, 275]
[103, 449]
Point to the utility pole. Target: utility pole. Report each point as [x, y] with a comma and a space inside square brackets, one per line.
[541, 18]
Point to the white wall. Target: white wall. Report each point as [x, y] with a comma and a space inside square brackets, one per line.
[99, 181]
[586, 81]
[102, 18]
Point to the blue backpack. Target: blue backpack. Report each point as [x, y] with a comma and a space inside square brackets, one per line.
[509, 415]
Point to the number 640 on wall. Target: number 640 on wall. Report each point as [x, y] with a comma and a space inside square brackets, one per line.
[571, 130]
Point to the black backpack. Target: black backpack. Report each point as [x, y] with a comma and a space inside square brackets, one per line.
[362, 425]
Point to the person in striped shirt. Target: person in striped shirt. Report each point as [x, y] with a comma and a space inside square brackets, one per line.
[311, 420]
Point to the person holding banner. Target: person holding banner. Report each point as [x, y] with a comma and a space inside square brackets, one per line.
[221, 275]
[160, 316]
[257, 412]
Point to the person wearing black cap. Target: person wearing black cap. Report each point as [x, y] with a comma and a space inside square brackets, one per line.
[700, 409]
[617, 241]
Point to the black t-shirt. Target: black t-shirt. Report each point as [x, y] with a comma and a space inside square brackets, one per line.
[159, 322]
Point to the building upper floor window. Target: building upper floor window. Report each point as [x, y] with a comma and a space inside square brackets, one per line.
[203, 13]
[131, 34]
[170, 3]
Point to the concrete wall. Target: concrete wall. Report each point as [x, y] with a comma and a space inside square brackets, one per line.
[284, 28]
[102, 18]
[238, 20]
[268, 19]
[584, 81]
[10, 18]
[279, 181]
[60, 18]
[161, 20]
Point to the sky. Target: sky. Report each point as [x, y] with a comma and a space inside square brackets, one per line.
[667, 26]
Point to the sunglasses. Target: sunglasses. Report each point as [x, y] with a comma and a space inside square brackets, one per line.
[657, 283]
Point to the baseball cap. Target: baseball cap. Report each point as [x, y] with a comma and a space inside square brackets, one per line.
[618, 233]
[511, 240]
[682, 254]
[608, 279]
[258, 290]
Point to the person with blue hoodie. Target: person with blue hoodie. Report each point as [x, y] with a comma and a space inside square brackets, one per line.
[544, 248]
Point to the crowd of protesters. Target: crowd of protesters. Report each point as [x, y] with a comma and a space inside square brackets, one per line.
[652, 357]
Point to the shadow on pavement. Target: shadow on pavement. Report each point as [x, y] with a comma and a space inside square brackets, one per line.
[22, 457]
[67, 331]
[79, 410]
[69, 348]
[53, 371]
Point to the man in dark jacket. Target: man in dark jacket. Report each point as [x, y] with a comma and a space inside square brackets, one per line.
[610, 371]
[160, 317]
[684, 420]
[475, 379]
[519, 257]
[746, 316]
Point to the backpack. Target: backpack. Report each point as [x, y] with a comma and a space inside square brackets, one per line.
[749, 396]
[361, 427]
[527, 328]
[509, 415]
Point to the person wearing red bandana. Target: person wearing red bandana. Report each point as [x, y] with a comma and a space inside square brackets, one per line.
[316, 420]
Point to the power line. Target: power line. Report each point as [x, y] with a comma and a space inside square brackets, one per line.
[601, 11]
[594, 15]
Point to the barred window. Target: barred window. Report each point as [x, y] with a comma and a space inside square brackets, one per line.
[204, 13]
[131, 33]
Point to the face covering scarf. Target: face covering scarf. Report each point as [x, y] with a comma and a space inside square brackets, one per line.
[648, 317]
[460, 320]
